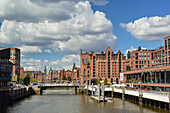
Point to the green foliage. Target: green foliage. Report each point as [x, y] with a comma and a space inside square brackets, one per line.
[138, 80]
[97, 81]
[21, 79]
[64, 78]
[55, 78]
[139, 48]
[69, 78]
[127, 87]
[147, 87]
[130, 80]
[160, 47]
[106, 81]
[34, 80]
[27, 80]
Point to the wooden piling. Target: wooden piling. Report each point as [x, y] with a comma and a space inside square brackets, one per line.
[169, 100]
[99, 92]
[123, 93]
[92, 90]
[140, 97]
[103, 93]
[112, 92]
[87, 89]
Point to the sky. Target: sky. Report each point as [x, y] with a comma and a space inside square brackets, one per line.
[52, 32]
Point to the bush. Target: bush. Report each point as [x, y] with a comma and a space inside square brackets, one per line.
[130, 80]
[69, 78]
[105, 81]
[27, 80]
[138, 80]
[97, 81]
[64, 78]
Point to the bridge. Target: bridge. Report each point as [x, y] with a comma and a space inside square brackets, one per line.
[57, 87]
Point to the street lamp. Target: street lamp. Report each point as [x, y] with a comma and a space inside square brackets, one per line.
[42, 77]
[51, 73]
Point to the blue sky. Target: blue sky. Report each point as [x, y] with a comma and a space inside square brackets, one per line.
[53, 32]
[125, 11]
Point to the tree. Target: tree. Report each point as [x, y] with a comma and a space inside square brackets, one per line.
[105, 81]
[21, 79]
[139, 48]
[64, 78]
[160, 47]
[69, 78]
[55, 78]
[97, 81]
[27, 80]
[128, 54]
[33, 80]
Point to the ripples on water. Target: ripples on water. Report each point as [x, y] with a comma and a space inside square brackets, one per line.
[66, 102]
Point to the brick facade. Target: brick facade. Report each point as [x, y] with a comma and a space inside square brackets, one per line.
[100, 66]
[149, 66]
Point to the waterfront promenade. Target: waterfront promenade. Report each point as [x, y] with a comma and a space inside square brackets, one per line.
[9, 96]
[154, 98]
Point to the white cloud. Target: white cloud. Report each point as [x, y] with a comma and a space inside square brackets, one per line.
[133, 49]
[30, 49]
[29, 68]
[31, 60]
[31, 11]
[48, 51]
[66, 62]
[149, 29]
[39, 10]
[83, 29]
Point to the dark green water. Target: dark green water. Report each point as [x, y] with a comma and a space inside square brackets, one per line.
[68, 103]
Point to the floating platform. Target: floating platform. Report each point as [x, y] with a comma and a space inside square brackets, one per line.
[96, 98]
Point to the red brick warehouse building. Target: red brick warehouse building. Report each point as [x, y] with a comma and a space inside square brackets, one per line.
[100, 66]
[149, 67]
[74, 74]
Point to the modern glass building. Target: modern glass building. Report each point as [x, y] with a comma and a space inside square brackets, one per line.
[5, 67]
[151, 68]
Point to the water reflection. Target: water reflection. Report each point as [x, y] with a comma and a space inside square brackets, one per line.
[59, 103]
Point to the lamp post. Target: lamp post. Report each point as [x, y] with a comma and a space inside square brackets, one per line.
[42, 77]
[51, 73]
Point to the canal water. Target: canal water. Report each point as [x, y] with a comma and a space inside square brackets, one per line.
[66, 102]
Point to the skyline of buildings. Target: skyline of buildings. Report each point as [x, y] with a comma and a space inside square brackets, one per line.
[142, 67]
[116, 67]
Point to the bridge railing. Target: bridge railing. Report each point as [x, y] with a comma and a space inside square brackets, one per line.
[60, 85]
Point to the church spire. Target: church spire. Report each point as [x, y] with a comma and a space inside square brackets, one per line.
[74, 65]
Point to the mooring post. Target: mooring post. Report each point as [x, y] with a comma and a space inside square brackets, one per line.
[112, 92]
[92, 90]
[103, 93]
[140, 97]
[123, 93]
[75, 90]
[41, 91]
[169, 100]
[99, 92]
[87, 89]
